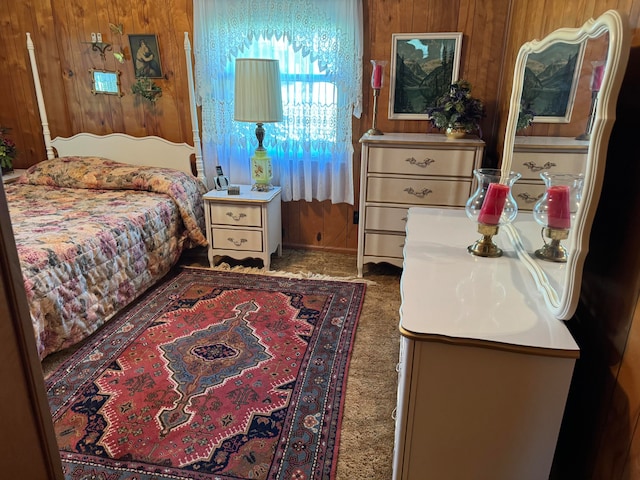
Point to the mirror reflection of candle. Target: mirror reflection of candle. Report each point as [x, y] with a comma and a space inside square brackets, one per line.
[559, 208]
[493, 204]
[376, 82]
[596, 76]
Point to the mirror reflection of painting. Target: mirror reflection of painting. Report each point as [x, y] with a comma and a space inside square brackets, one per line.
[423, 68]
[550, 82]
[146, 59]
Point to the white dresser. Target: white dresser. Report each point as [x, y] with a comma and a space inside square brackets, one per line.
[248, 225]
[484, 367]
[401, 170]
[533, 155]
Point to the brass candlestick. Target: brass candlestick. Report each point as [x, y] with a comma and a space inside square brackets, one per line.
[485, 246]
[553, 251]
[374, 129]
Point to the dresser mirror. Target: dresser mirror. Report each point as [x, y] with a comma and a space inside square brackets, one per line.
[562, 109]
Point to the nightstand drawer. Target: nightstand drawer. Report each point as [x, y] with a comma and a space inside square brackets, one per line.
[422, 161]
[236, 214]
[527, 194]
[420, 191]
[384, 245]
[233, 239]
[386, 218]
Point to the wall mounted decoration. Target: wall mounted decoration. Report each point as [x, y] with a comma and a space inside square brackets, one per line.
[105, 82]
[146, 88]
[423, 66]
[550, 82]
[145, 55]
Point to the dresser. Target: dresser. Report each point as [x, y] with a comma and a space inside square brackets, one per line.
[484, 368]
[248, 225]
[401, 170]
[533, 155]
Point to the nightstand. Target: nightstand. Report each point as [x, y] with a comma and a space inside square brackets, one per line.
[13, 176]
[248, 225]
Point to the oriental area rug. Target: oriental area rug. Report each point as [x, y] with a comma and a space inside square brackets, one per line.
[211, 376]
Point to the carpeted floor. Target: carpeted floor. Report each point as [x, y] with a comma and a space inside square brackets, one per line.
[366, 444]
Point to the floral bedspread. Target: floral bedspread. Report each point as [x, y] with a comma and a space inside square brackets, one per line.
[93, 234]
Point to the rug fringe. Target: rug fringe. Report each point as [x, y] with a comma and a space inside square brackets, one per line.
[225, 267]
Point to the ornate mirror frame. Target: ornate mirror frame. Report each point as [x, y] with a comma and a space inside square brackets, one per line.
[560, 283]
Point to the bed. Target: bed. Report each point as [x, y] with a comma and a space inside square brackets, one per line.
[101, 220]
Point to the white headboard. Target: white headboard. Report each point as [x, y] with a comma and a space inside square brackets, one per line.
[120, 147]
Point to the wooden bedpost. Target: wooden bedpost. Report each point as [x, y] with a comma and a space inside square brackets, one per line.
[194, 112]
[43, 111]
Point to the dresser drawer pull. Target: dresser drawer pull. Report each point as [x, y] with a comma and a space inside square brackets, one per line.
[422, 164]
[236, 217]
[527, 198]
[237, 243]
[418, 193]
[535, 168]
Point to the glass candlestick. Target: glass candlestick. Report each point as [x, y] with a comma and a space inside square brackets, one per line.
[556, 212]
[377, 80]
[491, 205]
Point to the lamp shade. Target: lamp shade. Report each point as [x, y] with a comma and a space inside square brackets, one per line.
[258, 97]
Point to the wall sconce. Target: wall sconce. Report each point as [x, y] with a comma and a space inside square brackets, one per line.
[97, 45]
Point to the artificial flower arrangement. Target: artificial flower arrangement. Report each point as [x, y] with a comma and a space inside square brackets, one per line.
[7, 150]
[457, 110]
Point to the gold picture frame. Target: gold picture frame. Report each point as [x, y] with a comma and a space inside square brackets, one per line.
[105, 82]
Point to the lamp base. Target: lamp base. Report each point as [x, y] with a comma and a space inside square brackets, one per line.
[261, 171]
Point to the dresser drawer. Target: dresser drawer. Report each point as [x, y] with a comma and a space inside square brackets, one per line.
[386, 218]
[418, 191]
[233, 239]
[383, 245]
[527, 194]
[422, 161]
[236, 214]
[531, 164]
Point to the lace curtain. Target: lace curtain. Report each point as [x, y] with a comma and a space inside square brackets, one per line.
[319, 46]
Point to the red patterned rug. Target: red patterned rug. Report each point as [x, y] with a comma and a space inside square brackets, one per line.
[212, 375]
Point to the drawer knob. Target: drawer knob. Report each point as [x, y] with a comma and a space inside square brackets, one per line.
[418, 193]
[528, 198]
[535, 168]
[236, 217]
[420, 163]
[237, 243]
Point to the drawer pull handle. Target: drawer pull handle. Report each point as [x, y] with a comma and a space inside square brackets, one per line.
[422, 164]
[529, 198]
[535, 168]
[237, 243]
[236, 217]
[418, 193]
[404, 219]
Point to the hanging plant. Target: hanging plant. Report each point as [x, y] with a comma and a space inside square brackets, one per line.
[147, 88]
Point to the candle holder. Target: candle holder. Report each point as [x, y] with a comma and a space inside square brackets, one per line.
[491, 205]
[377, 80]
[596, 82]
[556, 211]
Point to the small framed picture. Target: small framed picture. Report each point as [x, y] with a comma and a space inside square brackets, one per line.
[423, 67]
[551, 81]
[105, 82]
[145, 55]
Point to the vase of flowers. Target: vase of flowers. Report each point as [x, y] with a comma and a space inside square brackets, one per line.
[7, 150]
[456, 111]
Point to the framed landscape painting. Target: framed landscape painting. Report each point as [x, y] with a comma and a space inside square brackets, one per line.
[423, 66]
[551, 80]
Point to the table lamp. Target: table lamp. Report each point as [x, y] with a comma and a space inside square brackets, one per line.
[258, 99]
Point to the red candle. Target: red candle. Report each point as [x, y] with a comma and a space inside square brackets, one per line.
[596, 81]
[493, 204]
[559, 209]
[377, 76]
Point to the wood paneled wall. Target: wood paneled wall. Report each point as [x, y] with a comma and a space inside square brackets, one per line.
[604, 405]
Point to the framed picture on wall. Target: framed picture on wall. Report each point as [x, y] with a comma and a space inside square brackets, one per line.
[145, 55]
[551, 80]
[423, 66]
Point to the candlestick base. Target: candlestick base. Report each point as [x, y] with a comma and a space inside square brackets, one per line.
[485, 246]
[375, 131]
[553, 251]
